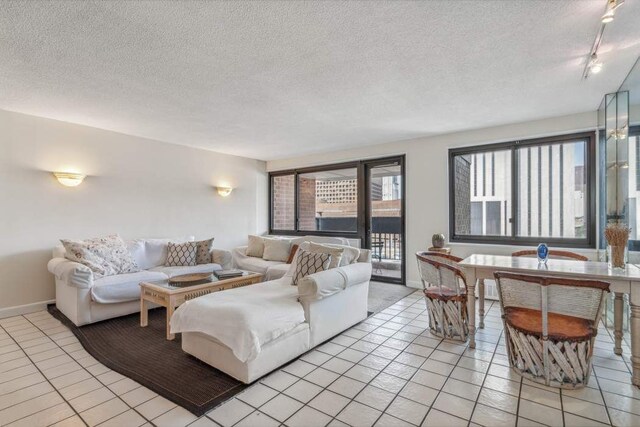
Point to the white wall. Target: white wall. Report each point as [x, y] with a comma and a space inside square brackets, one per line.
[427, 194]
[136, 187]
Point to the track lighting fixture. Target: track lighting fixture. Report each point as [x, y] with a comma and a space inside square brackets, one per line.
[595, 66]
[610, 11]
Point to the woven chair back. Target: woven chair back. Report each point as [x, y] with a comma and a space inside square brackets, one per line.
[532, 253]
[576, 298]
[442, 271]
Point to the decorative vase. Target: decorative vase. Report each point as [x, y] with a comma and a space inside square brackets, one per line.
[617, 236]
[617, 257]
[437, 240]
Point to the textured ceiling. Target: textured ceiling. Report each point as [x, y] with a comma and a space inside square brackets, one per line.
[272, 80]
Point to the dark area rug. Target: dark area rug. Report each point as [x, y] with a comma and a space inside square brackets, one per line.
[145, 356]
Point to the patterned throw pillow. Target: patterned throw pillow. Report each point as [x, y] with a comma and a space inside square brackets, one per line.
[105, 256]
[308, 263]
[203, 251]
[181, 254]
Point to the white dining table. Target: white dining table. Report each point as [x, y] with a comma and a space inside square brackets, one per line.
[480, 266]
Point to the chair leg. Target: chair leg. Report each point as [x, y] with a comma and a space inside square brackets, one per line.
[481, 303]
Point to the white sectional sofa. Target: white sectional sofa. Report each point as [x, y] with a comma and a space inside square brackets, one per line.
[85, 299]
[276, 269]
[247, 343]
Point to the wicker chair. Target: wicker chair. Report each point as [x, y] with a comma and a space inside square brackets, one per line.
[550, 325]
[530, 253]
[445, 293]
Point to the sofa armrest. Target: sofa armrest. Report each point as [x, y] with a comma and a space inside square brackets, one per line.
[222, 257]
[72, 273]
[326, 283]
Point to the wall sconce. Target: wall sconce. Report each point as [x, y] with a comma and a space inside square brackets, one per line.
[69, 179]
[224, 191]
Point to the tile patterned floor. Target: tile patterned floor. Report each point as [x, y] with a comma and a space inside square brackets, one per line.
[386, 371]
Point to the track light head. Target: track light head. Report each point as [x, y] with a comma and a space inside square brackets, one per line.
[610, 11]
[595, 66]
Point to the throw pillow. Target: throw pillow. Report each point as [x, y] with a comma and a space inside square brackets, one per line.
[308, 263]
[181, 254]
[155, 250]
[276, 250]
[203, 251]
[256, 246]
[292, 254]
[350, 254]
[105, 256]
[336, 253]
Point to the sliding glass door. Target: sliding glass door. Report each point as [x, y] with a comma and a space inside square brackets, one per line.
[362, 201]
[384, 222]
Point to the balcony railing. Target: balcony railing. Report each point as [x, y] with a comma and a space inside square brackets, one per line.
[386, 247]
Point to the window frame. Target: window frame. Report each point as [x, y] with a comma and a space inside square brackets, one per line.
[590, 169]
[301, 171]
[634, 130]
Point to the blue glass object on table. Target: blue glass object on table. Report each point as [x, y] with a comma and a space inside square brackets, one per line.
[543, 253]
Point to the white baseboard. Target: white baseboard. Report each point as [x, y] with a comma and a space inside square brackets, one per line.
[414, 284]
[24, 309]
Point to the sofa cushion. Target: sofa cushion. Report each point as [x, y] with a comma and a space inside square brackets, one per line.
[105, 256]
[122, 287]
[172, 271]
[255, 247]
[276, 250]
[181, 254]
[349, 253]
[336, 253]
[203, 251]
[276, 271]
[308, 263]
[155, 250]
[257, 265]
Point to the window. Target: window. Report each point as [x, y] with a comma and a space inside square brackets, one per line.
[283, 202]
[317, 200]
[328, 200]
[525, 192]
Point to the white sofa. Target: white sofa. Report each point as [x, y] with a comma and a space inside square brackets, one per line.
[85, 299]
[323, 305]
[276, 269]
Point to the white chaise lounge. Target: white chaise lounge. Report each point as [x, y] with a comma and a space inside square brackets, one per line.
[248, 332]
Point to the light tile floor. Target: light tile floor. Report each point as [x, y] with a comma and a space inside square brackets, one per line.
[386, 371]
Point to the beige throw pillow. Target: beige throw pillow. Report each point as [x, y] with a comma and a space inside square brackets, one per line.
[350, 254]
[276, 249]
[255, 247]
[336, 253]
[203, 251]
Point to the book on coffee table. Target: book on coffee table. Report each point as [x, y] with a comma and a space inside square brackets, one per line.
[225, 274]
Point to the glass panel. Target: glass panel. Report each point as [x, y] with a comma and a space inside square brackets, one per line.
[552, 183]
[634, 184]
[328, 200]
[282, 196]
[483, 194]
[385, 189]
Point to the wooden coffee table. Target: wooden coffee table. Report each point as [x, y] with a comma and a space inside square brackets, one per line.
[170, 296]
